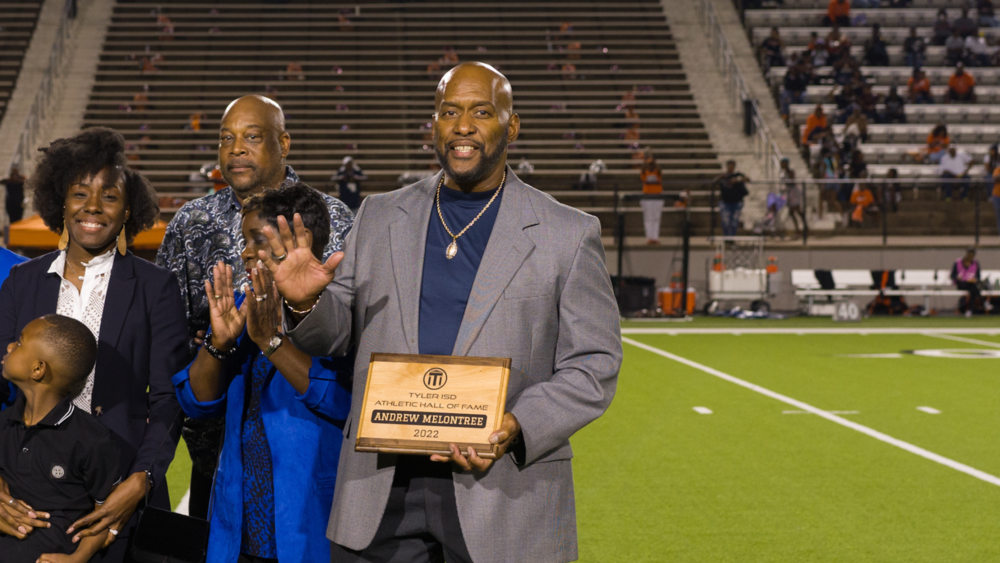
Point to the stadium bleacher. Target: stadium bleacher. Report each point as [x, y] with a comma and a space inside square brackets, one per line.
[17, 24]
[364, 87]
[900, 146]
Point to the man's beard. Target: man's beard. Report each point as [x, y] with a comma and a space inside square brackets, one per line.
[248, 187]
[481, 171]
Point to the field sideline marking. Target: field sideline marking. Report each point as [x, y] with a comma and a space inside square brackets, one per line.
[971, 471]
[182, 506]
[803, 331]
[966, 340]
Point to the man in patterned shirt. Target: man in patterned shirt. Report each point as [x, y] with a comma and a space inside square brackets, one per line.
[253, 146]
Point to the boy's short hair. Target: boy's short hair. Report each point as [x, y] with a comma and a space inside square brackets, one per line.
[76, 347]
[286, 201]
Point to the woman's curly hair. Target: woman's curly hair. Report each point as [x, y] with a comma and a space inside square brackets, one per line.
[286, 201]
[88, 153]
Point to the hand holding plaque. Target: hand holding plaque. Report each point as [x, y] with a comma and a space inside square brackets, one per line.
[426, 405]
[504, 438]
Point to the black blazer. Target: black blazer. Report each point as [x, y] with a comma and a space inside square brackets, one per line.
[143, 343]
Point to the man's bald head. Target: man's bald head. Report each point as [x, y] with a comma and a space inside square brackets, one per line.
[260, 105]
[480, 73]
[253, 145]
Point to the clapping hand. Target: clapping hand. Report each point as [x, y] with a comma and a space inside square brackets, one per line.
[263, 312]
[227, 320]
[299, 275]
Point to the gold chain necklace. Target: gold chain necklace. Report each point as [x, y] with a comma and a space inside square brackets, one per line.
[452, 249]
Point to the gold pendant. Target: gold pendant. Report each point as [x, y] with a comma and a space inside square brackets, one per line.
[452, 250]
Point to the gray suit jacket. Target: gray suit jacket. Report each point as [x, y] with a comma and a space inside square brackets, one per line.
[542, 297]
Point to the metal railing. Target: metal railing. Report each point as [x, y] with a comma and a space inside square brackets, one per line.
[765, 148]
[28, 138]
[898, 209]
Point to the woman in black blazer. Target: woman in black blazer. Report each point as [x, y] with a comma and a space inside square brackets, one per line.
[84, 191]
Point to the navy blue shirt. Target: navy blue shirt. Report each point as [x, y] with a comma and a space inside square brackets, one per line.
[446, 284]
[258, 473]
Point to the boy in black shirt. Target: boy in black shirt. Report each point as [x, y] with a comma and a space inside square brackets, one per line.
[55, 461]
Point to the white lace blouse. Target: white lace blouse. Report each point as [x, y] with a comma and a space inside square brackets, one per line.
[86, 305]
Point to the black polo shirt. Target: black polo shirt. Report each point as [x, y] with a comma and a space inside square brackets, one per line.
[62, 465]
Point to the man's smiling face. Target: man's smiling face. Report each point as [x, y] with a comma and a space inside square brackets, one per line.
[473, 123]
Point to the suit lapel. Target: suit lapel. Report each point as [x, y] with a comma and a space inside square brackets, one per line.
[507, 249]
[407, 239]
[47, 296]
[118, 300]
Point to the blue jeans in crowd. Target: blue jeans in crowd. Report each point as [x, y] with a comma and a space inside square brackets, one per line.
[948, 186]
[914, 59]
[729, 214]
[788, 98]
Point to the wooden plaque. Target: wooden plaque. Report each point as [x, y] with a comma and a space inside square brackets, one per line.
[417, 404]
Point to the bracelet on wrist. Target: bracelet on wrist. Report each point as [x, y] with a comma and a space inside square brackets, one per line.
[303, 312]
[221, 355]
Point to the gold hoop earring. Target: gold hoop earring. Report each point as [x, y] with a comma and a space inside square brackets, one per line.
[122, 242]
[64, 237]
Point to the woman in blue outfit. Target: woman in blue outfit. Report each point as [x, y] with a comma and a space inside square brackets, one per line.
[284, 410]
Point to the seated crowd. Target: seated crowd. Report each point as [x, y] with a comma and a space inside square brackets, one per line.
[831, 60]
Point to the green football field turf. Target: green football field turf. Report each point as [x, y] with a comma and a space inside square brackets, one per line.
[762, 479]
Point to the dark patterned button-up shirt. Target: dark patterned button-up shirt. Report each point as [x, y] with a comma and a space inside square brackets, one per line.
[209, 229]
[204, 231]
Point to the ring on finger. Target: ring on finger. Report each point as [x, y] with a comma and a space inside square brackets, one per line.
[217, 297]
[11, 502]
[113, 531]
[279, 258]
[261, 297]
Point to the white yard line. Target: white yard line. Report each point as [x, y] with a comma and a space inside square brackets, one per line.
[971, 471]
[929, 410]
[960, 339]
[182, 506]
[803, 331]
[831, 412]
[884, 356]
[702, 410]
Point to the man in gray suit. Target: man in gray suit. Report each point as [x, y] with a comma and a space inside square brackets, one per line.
[470, 262]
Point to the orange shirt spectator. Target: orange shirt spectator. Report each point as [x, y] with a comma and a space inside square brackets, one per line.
[922, 85]
[345, 23]
[996, 182]
[961, 84]
[812, 123]
[836, 9]
[294, 71]
[139, 100]
[632, 134]
[218, 182]
[861, 198]
[628, 100]
[937, 143]
[652, 181]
